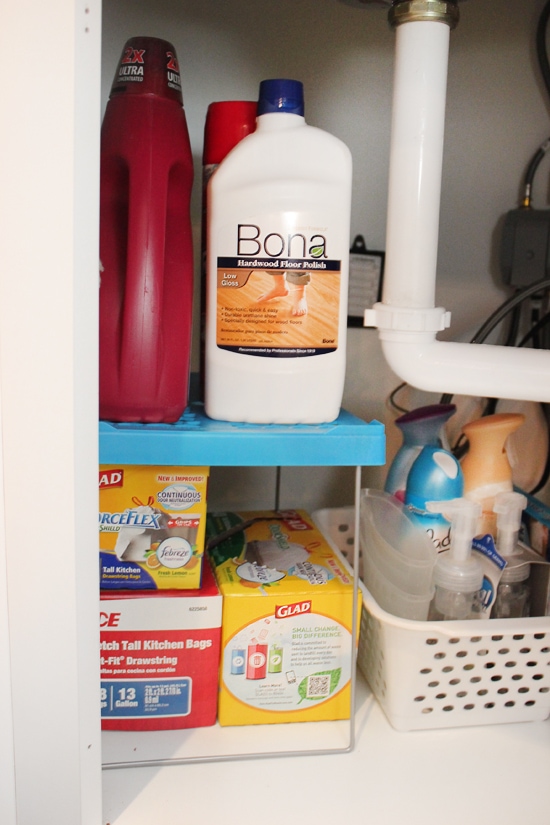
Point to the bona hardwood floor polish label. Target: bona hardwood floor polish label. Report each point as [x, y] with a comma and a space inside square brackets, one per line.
[278, 240]
[279, 296]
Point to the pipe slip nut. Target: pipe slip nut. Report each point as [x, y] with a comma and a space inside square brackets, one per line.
[410, 11]
[407, 319]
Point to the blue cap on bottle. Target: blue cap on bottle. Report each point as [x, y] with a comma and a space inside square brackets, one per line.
[281, 96]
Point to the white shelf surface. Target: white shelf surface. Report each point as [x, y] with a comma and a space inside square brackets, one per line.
[475, 775]
[219, 743]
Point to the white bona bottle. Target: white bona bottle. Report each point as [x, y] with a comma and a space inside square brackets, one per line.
[278, 229]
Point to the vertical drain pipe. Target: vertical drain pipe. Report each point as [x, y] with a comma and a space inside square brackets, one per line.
[406, 317]
[422, 32]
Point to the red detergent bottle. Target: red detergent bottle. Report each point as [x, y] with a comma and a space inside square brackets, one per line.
[146, 248]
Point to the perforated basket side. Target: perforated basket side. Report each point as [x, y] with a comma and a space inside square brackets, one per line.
[429, 675]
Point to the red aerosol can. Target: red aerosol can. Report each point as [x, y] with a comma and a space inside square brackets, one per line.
[146, 249]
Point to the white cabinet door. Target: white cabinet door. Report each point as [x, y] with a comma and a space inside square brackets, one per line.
[49, 167]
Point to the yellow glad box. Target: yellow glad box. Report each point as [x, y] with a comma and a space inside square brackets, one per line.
[287, 619]
[152, 523]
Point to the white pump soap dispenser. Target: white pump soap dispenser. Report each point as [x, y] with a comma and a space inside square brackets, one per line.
[512, 600]
[458, 576]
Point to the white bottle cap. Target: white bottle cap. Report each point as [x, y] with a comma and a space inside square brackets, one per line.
[456, 569]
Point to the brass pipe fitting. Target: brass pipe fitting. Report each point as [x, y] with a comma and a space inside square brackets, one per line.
[408, 11]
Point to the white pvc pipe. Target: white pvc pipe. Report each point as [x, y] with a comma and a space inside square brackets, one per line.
[469, 369]
[406, 317]
[416, 152]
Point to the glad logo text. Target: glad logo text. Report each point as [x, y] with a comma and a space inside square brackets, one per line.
[111, 478]
[285, 611]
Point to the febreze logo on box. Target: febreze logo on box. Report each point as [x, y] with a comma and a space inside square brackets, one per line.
[286, 611]
[111, 478]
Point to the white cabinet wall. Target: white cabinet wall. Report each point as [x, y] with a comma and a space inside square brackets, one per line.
[49, 159]
[52, 96]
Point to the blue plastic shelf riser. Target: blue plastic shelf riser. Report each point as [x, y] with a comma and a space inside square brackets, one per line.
[198, 440]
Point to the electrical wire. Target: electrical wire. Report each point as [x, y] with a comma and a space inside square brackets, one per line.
[543, 479]
[460, 447]
[534, 164]
[535, 329]
[544, 66]
[540, 42]
[516, 299]
[392, 403]
[513, 328]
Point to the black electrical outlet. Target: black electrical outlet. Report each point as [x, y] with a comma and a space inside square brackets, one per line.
[525, 247]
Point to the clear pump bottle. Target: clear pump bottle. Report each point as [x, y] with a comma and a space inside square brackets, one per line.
[513, 593]
[458, 577]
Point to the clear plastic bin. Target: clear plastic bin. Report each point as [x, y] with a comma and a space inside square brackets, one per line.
[399, 566]
[402, 552]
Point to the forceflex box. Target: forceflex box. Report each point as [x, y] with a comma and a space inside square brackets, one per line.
[160, 657]
[151, 526]
[287, 619]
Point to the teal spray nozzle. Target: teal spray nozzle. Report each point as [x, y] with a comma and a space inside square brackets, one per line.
[421, 427]
[458, 576]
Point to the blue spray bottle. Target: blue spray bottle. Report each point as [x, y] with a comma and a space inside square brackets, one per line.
[421, 427]
[436, 475]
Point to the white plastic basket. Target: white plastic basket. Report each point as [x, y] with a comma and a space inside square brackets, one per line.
[428, 675]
